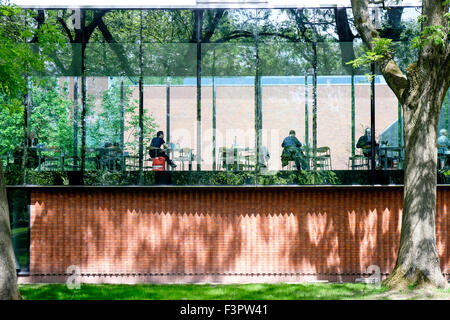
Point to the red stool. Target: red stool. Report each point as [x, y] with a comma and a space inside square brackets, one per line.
[159, 164]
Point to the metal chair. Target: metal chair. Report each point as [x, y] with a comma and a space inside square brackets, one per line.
[358, 162]
[291, 165]
[185, 154]
[250, 160]
[226, 158]
[322, 160]
[53, 161]
[69, 162]
[111, 158]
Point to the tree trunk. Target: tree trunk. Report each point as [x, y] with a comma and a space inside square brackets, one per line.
[8, 277]
[418, 261]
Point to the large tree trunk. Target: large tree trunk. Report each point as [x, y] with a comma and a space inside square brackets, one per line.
[8, 277]
[417, 261]
[421, 94]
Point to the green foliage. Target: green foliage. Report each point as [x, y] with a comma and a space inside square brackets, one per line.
[18, 57]
[430, 35]
[51, 115]
[249, 178]
[47, 177]
[11, 129]
[104, 122]
[132, 138]
[212, 178]
[381, 47]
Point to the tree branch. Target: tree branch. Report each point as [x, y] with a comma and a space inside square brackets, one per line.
[58, 62]
[40, 19]
[117, 48]
[390, 70]
[447, 66]
[98, 15]
[345, 36]
[212, 25]
[66, 28]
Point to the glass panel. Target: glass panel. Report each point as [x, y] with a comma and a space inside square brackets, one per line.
[228, 98]
[18, 201]
[262, 71]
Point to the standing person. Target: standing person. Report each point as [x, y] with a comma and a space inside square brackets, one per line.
[292, 152]
[156, 151]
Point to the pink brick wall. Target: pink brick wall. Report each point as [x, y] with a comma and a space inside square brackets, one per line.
[258, 233]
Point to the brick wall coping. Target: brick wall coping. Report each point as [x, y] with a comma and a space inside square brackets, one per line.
[208, 187]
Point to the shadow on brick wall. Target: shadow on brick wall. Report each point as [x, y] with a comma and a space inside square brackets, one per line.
[212, 232]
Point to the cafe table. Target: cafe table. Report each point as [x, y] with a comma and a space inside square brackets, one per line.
[41, 148]
[388, 152]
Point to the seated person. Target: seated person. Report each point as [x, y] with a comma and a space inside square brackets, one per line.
[264, 156]
[442, 142]
[117, 155]
[292, 152]
[101, 158]
[364, 143]
[156, 151]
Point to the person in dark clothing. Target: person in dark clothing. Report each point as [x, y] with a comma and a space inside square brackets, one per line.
[156, 151]
[292, 152]
[364, 143]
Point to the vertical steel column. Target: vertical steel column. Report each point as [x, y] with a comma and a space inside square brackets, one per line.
[258, 107]
[353, 118]
[214, 127]
[168, 108]
[75, 121]
[198, 29]
[26, 111]
[83, 93]
[399, 124]
[447, 110]
[314, 119]
[141, 108]
[372, 123]
[122, 123]
[306, 111]
[26, 102]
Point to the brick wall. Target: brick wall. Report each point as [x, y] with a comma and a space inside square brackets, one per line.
[215, 234]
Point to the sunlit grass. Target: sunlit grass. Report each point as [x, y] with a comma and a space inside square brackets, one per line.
[18, 231]
[280, 291]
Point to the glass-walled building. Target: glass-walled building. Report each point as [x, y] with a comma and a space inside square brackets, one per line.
[226, 86]
[257, 102]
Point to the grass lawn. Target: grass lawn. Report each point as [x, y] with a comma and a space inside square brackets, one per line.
[18, 231]
[281, 291]
[200, 292]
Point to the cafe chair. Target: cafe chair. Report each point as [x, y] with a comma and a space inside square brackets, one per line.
[358, 162]
[111, 158]
[72, 163]
[226, 158]
[53, 160]
[184, 155]
[250, 160]
[131, 162]
[291, 165]
[322, 160]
